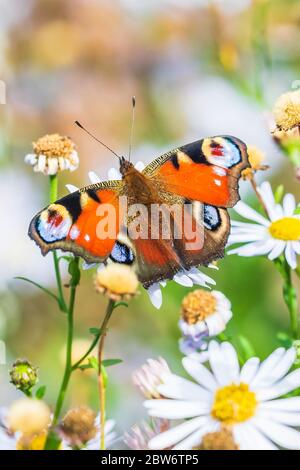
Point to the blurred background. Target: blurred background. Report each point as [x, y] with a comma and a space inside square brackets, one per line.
[197, 68]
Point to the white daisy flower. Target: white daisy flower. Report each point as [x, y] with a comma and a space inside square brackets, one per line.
[53, 153]
[139, 436]
[150, 375]
[272, 236]
[246, 400]
[203, 314]
[186, 278]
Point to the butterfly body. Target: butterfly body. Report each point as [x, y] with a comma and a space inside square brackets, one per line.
[200, 180]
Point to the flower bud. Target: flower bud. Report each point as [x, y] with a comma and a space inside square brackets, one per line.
[23, 375]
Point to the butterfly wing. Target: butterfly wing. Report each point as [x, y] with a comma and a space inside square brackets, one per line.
[207, 170]
[79, 222]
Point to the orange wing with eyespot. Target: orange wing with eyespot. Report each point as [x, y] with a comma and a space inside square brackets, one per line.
[86, 222]
[207, 170]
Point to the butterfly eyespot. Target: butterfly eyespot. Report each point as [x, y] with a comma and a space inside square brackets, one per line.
[211, 217]
[121, 253]
[53, 223]
[221, 151]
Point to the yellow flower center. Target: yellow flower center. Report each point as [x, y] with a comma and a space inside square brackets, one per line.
[36, 442]
[287, 228]
[234, 404]
[198, 305]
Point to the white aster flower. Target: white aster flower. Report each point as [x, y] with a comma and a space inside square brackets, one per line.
[139, 436]
[185, 277]
[53, 153]
[203, 314]
[272, 236]
[150, 375]
[246, 400]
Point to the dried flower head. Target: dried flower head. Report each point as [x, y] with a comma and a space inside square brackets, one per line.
[53, 153]
[287, 110]
[150, 375]
[23, 375]
[28, 416]
[79, 426]
[118, 282]
[256, 158]
[220, 440]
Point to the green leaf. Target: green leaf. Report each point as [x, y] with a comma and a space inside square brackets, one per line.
[111, 362]
[121, 303]
[21, 278]
[248, 350]
[40, 393]
[95, 331]
[297, 210]
[84, 367]
[74, 272]
[93, 362]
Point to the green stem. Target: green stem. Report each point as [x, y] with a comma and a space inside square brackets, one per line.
[289, 294]
[101, 378]
[68, 364]
[53, 197]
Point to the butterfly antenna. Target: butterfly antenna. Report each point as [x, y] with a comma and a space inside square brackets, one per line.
[132, 127]
[95, 138]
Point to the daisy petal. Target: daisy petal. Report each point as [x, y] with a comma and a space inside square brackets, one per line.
[266, 368]
[281, 368]
[200, 373]
[114, 174]
[283, 417]
[94, 178]
[255, 248]
[289, 205]
[231, 360]
[195, 439]
[249, 438]
[245, 237]
[246, 211]
[71, 188]
[296, 247]
[279, 433]
[140, 166]
[218, 364]
[282, 404]
[290, 255]
[154, 292]
[181, 389]
[183, 279]
[266, 193]
[249, 370]
[176, 409]
[277, 249]
[172, 436]
[287, 384]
